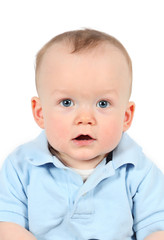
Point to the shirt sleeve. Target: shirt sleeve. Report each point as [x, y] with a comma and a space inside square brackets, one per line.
[13, 199]
[148, 210]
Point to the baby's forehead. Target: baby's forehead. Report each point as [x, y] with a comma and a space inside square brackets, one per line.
[68, 48]
[60, 60]
[60, 56]
[62, 50]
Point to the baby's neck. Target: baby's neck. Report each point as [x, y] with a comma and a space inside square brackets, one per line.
[83, 173]
[80, 165]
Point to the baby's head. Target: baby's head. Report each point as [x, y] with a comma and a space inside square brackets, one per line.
[83, 80]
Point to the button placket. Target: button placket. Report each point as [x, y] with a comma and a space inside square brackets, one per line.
[84, 207]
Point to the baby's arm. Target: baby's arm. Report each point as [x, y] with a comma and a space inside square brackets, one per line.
[156, 236]
[12, 231]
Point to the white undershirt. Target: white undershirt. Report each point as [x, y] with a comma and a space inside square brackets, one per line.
[83, 173]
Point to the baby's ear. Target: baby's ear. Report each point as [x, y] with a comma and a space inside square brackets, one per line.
[37, 111]
[129, 116]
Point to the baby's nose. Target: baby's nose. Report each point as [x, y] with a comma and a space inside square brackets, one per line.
[86, 118]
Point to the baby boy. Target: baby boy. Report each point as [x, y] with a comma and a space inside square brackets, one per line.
[83, 177]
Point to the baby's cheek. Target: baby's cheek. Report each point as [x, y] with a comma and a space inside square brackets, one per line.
[112, 133]
[60, 128]
[57, 133]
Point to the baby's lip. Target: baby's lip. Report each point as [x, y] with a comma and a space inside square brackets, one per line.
[84, 137]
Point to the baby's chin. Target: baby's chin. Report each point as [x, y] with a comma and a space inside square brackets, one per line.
[81, 161]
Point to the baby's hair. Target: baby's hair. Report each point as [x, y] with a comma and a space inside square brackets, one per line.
[82, 40]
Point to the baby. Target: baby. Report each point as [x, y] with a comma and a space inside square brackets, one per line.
[83, 177]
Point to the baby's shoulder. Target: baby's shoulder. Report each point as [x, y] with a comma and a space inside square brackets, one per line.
[29, 153]
[144, 173]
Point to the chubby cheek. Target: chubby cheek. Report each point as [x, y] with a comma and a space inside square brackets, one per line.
[111, 133]
[58, 131]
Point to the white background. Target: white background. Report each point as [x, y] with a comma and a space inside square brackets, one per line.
[26, 25]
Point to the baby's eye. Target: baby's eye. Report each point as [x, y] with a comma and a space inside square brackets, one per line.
[103, 104]
[66, 103]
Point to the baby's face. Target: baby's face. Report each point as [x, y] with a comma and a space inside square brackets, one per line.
[84, 102]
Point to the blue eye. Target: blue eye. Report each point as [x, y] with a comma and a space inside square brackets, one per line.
[66, 103]
[103, 104]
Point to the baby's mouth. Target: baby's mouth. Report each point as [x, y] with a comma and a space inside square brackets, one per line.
[83, 138]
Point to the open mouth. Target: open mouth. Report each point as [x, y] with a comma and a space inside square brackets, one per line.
[83, 140]
[83, 137]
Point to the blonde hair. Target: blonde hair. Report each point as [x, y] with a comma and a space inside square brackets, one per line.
[82, 40]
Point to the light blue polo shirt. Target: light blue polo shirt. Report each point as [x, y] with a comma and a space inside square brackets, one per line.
[121, 200]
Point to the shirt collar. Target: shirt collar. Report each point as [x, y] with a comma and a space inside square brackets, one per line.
[37, 152]
[127, 152]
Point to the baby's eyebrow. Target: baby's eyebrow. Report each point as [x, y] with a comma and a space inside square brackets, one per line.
[60, 91]
[111, 92]
[98, 93]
